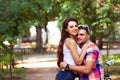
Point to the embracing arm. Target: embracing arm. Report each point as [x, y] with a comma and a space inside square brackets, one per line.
[85, 69]
[72, 46]
[89, 63]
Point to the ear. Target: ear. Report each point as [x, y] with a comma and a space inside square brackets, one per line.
[88, 36]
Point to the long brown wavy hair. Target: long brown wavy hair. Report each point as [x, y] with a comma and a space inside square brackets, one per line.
[64, 35]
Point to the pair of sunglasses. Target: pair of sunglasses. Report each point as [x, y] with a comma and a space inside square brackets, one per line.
[86, 27]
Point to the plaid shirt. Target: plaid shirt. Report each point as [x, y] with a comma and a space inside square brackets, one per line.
[93, 54]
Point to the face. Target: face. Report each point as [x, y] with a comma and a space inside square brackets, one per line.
[82, 36]
[72, 28]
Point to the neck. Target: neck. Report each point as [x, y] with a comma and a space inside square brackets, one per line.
[81, 45]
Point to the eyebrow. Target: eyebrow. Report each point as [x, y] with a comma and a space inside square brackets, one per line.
[81, 34]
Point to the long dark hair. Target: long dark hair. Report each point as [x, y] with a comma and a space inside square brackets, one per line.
[64, 35]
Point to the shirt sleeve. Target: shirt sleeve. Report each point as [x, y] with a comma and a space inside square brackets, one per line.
[92, 54]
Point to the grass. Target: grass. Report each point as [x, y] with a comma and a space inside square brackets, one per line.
[20, 72]
[113, 70]
[16, 72]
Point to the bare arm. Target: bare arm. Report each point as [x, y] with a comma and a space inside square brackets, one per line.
[84, 49]
[85, 69]
[72, 46]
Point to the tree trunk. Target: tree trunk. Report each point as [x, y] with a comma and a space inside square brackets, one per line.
[11, 66]
[46, 30]
[99, 42]
[11, 61]
[38, 39]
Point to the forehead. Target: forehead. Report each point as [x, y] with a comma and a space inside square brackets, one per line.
[72, 23]
[83, 31]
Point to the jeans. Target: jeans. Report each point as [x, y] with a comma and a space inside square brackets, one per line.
[65, 75]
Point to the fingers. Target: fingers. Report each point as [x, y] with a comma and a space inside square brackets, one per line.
[62, 65]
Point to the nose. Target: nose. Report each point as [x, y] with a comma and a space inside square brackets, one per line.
[78, 36]
[76, 28]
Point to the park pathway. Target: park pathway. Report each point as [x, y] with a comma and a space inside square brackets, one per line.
[41, 73]
[43, 67]
[40, 67]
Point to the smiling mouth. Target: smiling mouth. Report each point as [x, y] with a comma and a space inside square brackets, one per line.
[75, 31]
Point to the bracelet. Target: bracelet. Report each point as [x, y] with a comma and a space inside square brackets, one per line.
[67, 67]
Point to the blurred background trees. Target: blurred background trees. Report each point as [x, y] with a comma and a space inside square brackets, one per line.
[17, 16]
[101, 15]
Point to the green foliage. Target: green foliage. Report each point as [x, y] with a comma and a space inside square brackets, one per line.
[4, 55]
[2, 75]
[97, 15]
[115, 57]
[20, 72]
[17, 72]
[5, 60]
[3, 29]
[114, 70]
[17, 16]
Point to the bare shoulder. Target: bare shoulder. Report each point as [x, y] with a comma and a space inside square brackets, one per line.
[70, 41]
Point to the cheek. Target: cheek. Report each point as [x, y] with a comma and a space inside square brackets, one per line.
[83, 38]
[86, 37]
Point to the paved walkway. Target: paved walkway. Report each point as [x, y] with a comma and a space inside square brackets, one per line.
[43, 67]
[39, 67]
[111, 51]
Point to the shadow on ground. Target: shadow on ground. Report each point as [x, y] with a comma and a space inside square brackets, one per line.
[41, 73]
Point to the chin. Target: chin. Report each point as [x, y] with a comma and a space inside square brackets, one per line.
[79, 42]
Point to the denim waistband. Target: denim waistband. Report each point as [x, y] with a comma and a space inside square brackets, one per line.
[69, 71]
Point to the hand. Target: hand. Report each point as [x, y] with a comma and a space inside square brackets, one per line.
[63, 65]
